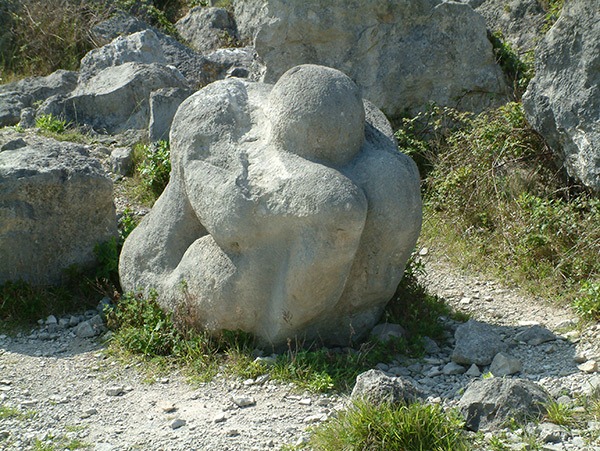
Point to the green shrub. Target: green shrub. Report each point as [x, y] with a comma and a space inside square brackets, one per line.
[152, 164]
[587, 304]
[518, 70]
[49, 123]
[495, 201]
[415, 427]
[38, 38]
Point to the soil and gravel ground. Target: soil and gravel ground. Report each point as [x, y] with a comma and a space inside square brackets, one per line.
[57, 389]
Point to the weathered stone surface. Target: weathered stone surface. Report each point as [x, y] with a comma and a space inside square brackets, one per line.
[11, 104]
[287, 212]
[377, 387]
[521, 22]
[404, 55]
[206, 29]
[562, 101]
[55, 205]
[117, 98]
[142, 47]
[198, 70]
[236, 62]
[38, 88]
[476, 343]
[163, 105]
[14, 97]
[489, 403]
[121, 161]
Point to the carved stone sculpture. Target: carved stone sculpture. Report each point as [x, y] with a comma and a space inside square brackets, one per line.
[290, 211]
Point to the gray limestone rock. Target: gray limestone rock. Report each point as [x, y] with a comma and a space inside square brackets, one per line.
[55, 205]
[207, 29]
[385, 332]
[198, 70]
[121, 161]
[163, 105]
[377, 387]
[562, 101]
[142, 47]
[521, 22]
[491, 403]
[11, 104]
[477, 343]
[403, 55]
[289, 211]
[117, 98]
[535, 335]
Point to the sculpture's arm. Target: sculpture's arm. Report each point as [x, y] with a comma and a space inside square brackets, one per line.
[222, 203]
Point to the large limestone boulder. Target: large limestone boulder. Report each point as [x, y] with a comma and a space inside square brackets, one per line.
[403, 54]
[55, 205]
[197, 69]
[117, 98]
[562, 101]
[289, 212]
[141, 47]
[491, 403]
[206, 29]
[14, 97]
[521, 22]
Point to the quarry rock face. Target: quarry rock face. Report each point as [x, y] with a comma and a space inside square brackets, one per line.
[289, 212]
[403, 55]
[55, 205]
[562, 101]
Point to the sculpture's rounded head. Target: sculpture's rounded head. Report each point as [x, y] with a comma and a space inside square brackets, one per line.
[317, 112]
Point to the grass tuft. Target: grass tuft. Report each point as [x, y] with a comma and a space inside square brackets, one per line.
[415, 427]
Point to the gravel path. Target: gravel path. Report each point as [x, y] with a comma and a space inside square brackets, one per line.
[59, 389]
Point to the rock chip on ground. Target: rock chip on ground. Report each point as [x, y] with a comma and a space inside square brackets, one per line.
[377, 387]
[490, 403]
[505, 364]
[535, 335]
[477, 343]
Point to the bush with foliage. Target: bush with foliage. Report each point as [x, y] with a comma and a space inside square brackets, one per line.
[495, 198]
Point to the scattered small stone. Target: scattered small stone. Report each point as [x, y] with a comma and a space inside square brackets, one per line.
[466, 300]
[177, 423]
[51, 320]
[535, 335]
[315, 418]
[453, 368]
[528, 323]
[504, 365]
[243, 401]
[591, 366]
[305, 402]
[29, 403]
[115, 390]
[88, 413]
[4, 434]
[85, 330]
[579, 358]
[164, 380]
[473, 371]
[232, 433]
[423, 252]
[219, 417]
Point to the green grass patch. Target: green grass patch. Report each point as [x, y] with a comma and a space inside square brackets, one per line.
[13, 413]
[415, 427]
[494, 201]
[165, 339]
